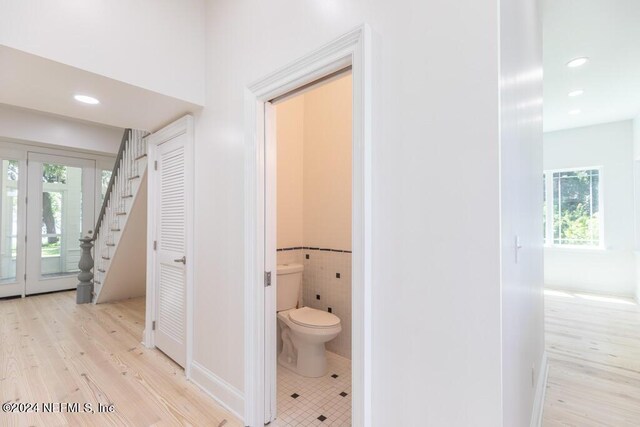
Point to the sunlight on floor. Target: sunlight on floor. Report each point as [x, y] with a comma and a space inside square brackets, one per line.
[551, 292]
[590, 297]
[603, 298]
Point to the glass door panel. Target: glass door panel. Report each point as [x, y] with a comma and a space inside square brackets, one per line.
[60, 210]
[9, 221]
[11, 227]
[61, 219]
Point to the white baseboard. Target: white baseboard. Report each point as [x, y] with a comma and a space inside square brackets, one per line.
[538, 402]
[221, 391]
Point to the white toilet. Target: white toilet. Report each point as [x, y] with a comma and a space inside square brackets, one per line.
[303, 331]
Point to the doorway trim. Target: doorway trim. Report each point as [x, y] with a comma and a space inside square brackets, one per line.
[351, 49]
[184, 125]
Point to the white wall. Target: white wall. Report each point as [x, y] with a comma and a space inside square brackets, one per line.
[154, 44]
[33, 126]
[521, 204]
[611, 270]
[436, 274]
[314, 167]
[290, 178]
[327, 166]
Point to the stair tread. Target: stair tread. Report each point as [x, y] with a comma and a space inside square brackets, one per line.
[141, 157]
[106, 258]
[134, 177]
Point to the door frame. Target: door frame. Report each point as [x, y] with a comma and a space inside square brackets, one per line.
[184, 125]
[35, 186]
[351, 49]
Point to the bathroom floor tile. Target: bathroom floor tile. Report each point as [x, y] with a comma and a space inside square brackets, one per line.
[324, 401]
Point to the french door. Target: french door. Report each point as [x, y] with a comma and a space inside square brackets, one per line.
[60, 209]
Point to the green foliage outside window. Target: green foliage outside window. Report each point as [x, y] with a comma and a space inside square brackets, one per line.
[576, 207]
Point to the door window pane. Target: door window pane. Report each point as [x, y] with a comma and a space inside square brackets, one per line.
[61, 219]
[9, 221]
[106, 177]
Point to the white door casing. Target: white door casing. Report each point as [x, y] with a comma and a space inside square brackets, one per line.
[352, 49]
[170, 230]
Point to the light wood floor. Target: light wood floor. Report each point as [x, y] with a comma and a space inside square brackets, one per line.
[52, 350]
[593, 344]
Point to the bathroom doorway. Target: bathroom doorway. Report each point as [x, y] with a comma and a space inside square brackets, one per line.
[310, 240]
[350, 50]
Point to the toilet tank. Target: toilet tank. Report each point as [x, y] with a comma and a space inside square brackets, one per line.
[289, 285]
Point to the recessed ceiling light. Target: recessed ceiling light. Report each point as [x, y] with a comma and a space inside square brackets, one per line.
[86, 99]
[577, 92]
[574, 112]
[576, 62]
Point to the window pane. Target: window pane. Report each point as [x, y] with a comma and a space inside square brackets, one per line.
[106, 177]
[575, 208]
[61, 219]
[544, 208]
[9, 221]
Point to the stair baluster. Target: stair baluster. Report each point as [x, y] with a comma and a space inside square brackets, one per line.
[112, 217]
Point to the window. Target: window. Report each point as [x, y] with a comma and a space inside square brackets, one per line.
[105, 178]
[572, 208]
[8, 220]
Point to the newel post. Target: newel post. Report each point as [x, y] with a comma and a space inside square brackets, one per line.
[85, 286]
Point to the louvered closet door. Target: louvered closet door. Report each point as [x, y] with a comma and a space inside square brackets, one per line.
[170, 271]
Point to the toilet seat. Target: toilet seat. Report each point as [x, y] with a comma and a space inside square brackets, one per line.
[312, 318]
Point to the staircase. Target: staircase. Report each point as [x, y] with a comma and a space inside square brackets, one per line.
[120, 233]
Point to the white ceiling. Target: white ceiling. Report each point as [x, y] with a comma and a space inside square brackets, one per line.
[33, 82]
[608, 32]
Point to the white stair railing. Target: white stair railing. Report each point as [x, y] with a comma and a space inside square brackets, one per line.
[126, 177]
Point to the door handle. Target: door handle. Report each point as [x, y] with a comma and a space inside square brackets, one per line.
[182, 260]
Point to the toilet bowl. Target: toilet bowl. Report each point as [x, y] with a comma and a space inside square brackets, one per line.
[304, 331]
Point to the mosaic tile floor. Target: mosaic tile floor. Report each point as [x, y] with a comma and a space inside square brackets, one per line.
[324, 401]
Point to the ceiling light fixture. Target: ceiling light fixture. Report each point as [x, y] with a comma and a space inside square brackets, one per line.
[576, 62]
[574, 112]
[576, 92]
[86, 99]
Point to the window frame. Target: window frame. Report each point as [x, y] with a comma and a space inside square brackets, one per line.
[548, 196]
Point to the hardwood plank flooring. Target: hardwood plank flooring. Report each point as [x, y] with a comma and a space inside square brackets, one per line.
[52, 350]
[593, 344]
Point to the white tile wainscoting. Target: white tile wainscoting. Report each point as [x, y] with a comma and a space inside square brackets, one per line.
[326, 285]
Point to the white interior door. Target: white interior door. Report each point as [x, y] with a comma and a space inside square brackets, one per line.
[60, 210]
[171, 248]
